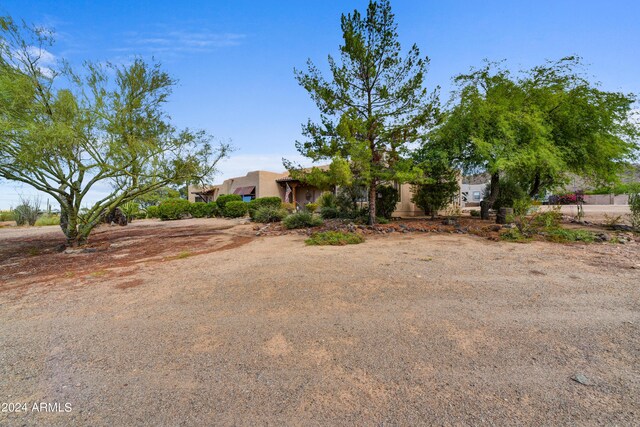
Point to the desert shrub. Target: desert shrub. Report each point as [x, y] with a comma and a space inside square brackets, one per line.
[311, 207]
[47, 219]
[173, 209]
[6, 216]
[141, 214]
[130, 210]
[474, 212]
[235, 209]
[26, 213]
[563, 235]
[214, 210]
[202, 209]
[301, 220]
[634, 205]
[548, 219]
[388, 198]
[152, 212]
[289, 207]
[334, 238]
[382, 220]
[522, 206]
[327, 200]
[269, 214]
[514, 235]
[223, 199]
[255, 204]
[329, 212]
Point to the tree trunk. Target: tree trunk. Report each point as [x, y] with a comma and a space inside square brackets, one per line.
[493, 196]
[373, 194]
[535, 188]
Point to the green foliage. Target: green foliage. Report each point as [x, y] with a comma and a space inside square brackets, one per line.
[130, 210]
[173, 209]
[510, 191]
[213, 210]
[334, 238]
[373, 107]
[623, 188]
[388, 198]
[301, 219]
[634, 205]
[515, 235]
[329, 212]
[235, 209]
[202, 210]
[311, 207]
[522, 206]
[7, 216]
[327, 200]
[73, 130]
[474, 212]
[269, 214]
[564, 235]
[153, 212]
[382, 220]
[255, 204]
[155, 197]
[47, 219]
[548, 219]
[539, 125]
[27, 212]
[223, 199]
[438, 183]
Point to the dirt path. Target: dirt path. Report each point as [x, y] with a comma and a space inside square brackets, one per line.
[403, 329]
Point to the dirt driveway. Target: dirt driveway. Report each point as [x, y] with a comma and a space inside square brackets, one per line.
[405, 329]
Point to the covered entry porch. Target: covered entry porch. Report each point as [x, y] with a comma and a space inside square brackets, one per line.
[297, 192]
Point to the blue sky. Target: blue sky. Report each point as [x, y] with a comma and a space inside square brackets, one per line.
[234, 59]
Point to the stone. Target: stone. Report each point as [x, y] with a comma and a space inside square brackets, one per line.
[581, 379]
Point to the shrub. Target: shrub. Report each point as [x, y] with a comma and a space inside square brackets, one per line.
[289, 207]
[152, 212]
[311, 207]
[329, 212]
[223, 199]
[130, 210]
[563, 235]
[301, 220]
[6, 216]
[235, 209]
[214, 210]
[388, 198]
[202, 209]
[47, 219]
[548, 219]
[255, 204]
[566, 199]
[382, 220]
[269, 214]
[634, 205]
[510, 190]
[334, 238]
[522, 206]
[474, 212]
[173, 209]
[26, 213]
[327, 200]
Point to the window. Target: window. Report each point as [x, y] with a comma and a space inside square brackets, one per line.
[476, 195]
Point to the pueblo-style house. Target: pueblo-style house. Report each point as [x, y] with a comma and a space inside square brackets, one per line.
[269, 184]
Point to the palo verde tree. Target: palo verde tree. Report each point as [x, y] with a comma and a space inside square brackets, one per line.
[374, 105]
[538, 126]
[64, 133]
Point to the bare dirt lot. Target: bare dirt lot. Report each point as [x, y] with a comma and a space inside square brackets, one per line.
[201, 322]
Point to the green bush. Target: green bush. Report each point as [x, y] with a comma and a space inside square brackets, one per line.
[202, 209]
[563, 235]
[474, 212]
[255, 204]
[382, 220]
[235, 209]
[311, 207]
[269, 214]
[388, 198]
[26, 213]
[214, 210]
[130, 210]
[509, 191]
[334, 238]
[223, 199]
[152, 212]
[47, 219]
[173, 209]
[548, 219]
[327, 200]
[301, 220]
[6, 216]
[328, 212]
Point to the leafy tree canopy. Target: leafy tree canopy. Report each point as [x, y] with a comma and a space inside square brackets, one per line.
[63, 132]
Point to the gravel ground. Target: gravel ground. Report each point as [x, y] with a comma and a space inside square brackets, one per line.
[404, 329]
